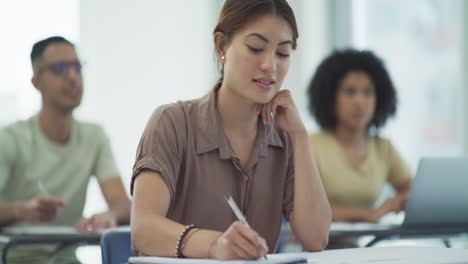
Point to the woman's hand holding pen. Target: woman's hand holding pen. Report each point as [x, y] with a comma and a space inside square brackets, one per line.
[238, 242]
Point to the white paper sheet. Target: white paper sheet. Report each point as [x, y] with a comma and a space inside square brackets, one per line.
[387, 255]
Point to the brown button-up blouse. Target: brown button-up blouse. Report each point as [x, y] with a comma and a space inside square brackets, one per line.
[185, 143]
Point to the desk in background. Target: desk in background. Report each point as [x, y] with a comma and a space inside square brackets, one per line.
[380, 232]
[62, 236]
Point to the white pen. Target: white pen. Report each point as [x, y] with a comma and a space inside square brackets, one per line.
[41, 187]
[238, 212]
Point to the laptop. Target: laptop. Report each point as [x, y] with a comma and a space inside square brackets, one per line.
[439, 194]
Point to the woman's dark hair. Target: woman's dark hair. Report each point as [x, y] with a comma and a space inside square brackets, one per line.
[236, 13]
[324, 85]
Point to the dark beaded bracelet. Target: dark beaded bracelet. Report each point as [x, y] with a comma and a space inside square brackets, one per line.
[182, 235]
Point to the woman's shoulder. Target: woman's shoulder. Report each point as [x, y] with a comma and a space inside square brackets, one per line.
[179, 111]
[383, 145]
[381, 141]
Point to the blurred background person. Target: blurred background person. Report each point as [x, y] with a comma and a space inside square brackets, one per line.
[351, 97]
[47, 160]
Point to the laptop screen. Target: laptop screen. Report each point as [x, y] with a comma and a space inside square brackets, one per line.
[439, 193]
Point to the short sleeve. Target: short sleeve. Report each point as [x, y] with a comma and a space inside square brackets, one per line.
[288, 202]
[105, 167]
[161, 144]
[398, 172]
[8, 152]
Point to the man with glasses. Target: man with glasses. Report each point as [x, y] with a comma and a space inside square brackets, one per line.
[47, 160]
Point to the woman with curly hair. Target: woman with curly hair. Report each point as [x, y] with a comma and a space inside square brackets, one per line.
[351, 97]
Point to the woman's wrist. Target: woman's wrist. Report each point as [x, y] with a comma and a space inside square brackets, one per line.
[375, 214]
[211, 249]
[299, 136]
[186, 239]
[200, 243]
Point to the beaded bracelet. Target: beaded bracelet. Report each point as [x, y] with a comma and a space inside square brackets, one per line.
[186, 239]
[178, 252]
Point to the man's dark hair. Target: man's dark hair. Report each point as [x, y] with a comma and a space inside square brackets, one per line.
[40, 46]
[324, 85]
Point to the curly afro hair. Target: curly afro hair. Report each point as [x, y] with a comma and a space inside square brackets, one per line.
[324, 84]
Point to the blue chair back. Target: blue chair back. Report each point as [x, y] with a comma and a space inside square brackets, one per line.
[115, 247]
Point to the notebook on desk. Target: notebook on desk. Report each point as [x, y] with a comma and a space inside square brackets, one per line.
[439, 194]
[272, 259]
[378, 255]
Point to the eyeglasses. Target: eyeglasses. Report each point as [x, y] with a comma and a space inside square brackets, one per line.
[62, 67]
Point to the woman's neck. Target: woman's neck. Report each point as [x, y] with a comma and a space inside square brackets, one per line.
[350, 136]
[237, 113]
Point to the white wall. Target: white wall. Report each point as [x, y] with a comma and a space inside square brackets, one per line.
[465, 76]
[141, 54]
[314, 44]
[22, 23]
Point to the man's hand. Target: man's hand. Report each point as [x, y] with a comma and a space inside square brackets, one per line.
[97, 222]
[40, 210]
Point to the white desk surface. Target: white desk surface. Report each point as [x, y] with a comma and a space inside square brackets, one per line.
[387, 255]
